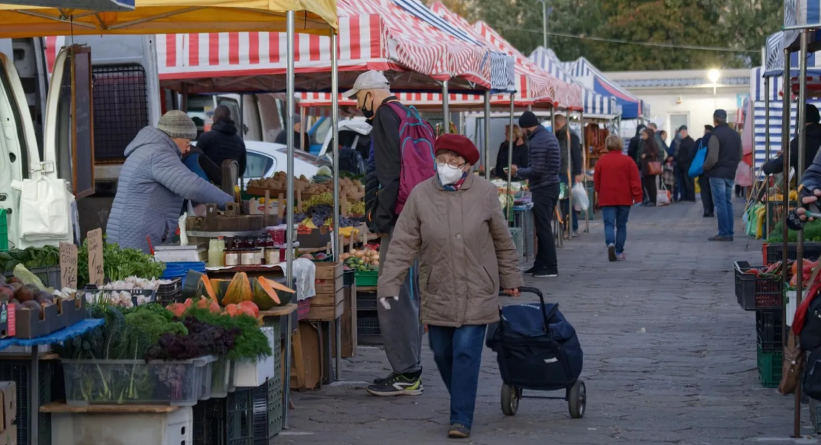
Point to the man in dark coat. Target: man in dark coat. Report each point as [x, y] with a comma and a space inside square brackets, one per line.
[571, 162]
[223, 142]
[683, 156]
[813, 130]
[542, 173]
[633, 151]
[724, 151]
[299, 142]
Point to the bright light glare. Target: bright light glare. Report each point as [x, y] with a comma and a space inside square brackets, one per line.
[714, 75]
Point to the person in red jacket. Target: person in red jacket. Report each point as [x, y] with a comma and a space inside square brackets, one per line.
[616, 181]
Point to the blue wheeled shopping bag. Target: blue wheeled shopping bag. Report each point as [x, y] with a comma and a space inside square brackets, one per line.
[697, 166]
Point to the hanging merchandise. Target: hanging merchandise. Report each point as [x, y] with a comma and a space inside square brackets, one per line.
[45, 209]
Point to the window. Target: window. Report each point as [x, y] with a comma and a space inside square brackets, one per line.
[676, 121]
[258, 165]
[120, 109]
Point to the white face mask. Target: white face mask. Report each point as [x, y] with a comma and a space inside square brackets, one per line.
[449, 175]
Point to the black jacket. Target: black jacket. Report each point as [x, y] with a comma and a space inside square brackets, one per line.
[544, 160]
[387, 157]
[813, 142]
[282, 138]
[633, 148]
[519, 160]
[575, 152]
[723, 153]
[222, 143]
[685, 150]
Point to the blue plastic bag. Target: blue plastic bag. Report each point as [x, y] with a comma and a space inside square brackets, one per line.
[697, 166]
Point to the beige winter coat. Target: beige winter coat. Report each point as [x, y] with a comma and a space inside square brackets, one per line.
[465, 250]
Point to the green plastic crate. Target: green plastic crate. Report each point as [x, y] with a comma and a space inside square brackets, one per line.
[4, 231]
[769, 368]
[367, 279]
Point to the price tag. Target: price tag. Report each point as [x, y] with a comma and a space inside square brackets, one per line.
[68, 265]
[95, 257]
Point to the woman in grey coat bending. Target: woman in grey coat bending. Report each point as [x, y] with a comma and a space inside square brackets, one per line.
[154, 183]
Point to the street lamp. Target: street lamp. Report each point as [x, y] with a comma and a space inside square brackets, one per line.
[714, 75]
[545, 16]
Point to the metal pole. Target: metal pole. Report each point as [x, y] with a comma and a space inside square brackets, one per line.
[34, 401]
[445, 108]
[586, 159]
[767, 152]
[487, 134]
[570, 180]
[289, 164]
[510, 157]
[545, 38]
[337, 216]
[802, 147]
[302, 130]
[786, 119]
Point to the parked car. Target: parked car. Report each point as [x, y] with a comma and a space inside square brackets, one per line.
[267, 158]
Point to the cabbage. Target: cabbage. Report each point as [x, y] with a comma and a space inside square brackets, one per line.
[324, 171]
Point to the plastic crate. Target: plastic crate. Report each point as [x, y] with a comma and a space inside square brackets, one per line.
[112, 379]
[203, 376]
[365, 301]
[209, 422]
[348, 277]
[267, 411]
[368, 331]
[170, 293]
[19, 371]
[50, 276]
[756, 293]
[769, 368]
[775, 251]
[769, 333]
[4, 231]
[367, 279]
[220, 377]
[239, 419]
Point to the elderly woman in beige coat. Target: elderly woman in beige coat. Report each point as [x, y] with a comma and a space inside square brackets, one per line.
[454, 224]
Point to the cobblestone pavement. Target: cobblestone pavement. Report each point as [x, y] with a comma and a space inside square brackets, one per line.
[670, 358]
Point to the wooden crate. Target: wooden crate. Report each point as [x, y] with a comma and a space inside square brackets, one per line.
[328, 299]
[328, 271]
[326, 313]
[329, 286]
[348, 325]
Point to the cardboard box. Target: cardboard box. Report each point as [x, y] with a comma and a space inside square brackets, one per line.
[329, 299]
[30, 324]
[329, 286]
[8, 323]
[311, 346]
[71, 311]
[326, 313]
[8, 404]
[9, 436]
[329, 271]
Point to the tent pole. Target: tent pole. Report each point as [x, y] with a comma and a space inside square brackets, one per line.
[510, 156]
[445, 108]
[786, 119]
[302, 131]
[337, 216]
[802, 147]
[571, 181]
[487, 135]
[766, 150]
[585, 160]
[289, 199]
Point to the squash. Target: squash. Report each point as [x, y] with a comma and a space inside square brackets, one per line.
[269, 294]
[238, 291]
[220, 287]
[206, 289]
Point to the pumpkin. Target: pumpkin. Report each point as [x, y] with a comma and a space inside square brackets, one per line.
[238, 291]
[206, 289]
[269, 294]
[220, 287]
[232, 310]
[249, 308]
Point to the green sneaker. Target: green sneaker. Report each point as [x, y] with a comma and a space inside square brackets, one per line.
[398, 385]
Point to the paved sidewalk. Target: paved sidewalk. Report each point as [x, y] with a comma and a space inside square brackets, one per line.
[669, 356]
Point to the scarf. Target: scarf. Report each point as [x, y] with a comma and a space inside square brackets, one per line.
[455, 186]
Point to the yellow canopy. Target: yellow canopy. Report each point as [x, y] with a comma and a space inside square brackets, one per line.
[170, 17]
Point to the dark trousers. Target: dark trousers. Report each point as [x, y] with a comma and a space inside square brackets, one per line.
[650, 186]
[706, 195]
[458, 356]
[566, 204]
[687, 188]
[544, 206]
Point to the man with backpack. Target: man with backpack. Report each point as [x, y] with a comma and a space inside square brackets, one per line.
[402, 157]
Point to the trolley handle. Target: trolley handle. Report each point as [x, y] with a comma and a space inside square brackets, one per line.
[547, 317]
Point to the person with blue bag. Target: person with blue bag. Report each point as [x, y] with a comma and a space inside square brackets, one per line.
[697, 170]
[724, 152]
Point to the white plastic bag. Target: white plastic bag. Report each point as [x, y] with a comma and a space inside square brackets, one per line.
[305, 275]
[44, 208]
[580, 200]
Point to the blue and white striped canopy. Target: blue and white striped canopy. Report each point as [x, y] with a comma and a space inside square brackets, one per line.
[797, 13]
[594, 104]
[593, 79]
[775, 57]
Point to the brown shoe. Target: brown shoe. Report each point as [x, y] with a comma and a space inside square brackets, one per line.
[458, 431]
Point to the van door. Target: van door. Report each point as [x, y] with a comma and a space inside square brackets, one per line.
[69, 127]
[19, 155]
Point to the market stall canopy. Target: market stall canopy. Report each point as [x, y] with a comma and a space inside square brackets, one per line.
[593, 79]
[595, 105]
[801, 13]
[373, 35]
[561, 94]
[91, 5]
[168, 17]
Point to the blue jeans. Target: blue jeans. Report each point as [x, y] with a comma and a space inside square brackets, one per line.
[458, 355]
[615, 225]
[722, 191]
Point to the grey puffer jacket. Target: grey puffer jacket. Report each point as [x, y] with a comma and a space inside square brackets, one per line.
[153, 185]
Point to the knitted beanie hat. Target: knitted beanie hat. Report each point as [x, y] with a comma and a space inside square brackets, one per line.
[177, 124]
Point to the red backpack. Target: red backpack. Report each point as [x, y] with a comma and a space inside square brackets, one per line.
[416, 138]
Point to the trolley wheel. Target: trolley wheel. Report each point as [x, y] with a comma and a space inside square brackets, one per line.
[577, 399]
[510, 399]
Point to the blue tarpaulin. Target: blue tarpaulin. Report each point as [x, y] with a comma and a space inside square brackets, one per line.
[55, 337]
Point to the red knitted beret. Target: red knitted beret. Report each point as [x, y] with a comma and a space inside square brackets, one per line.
[458, 144]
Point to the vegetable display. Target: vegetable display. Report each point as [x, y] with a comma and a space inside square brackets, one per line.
[119, 264]
[812, 233]
[361, 260]
[31, 258]
[121, 293]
